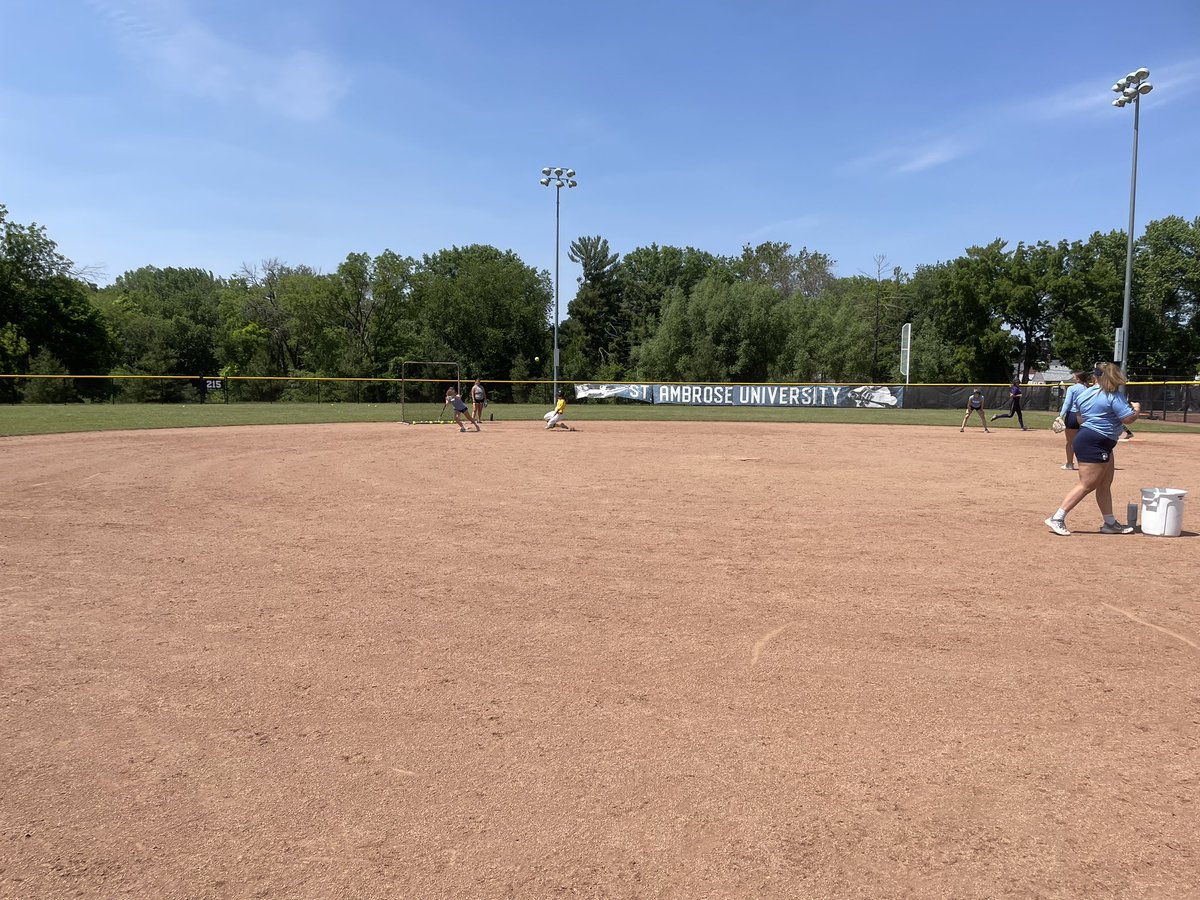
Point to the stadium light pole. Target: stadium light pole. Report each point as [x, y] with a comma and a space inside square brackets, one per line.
[561, 178]
[1131, 88]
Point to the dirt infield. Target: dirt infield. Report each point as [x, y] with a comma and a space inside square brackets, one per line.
[639, 660]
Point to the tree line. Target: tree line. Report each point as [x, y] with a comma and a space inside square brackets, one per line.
[657, 313]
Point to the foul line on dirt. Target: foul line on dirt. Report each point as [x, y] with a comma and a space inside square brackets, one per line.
[762, 642]
[1134, 618]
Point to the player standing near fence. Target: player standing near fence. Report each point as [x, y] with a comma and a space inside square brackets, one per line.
[1014, 408]
[1069, 413]
[975, 404]
[478, 400]
[1103, 410]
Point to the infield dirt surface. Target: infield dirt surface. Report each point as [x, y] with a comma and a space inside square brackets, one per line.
[639, 660]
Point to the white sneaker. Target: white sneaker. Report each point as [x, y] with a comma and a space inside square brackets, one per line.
[1116, 528]
[1058, 526]
[1070, 467]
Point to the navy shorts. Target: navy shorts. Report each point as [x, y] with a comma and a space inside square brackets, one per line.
[1092, 447]
[1072, 420]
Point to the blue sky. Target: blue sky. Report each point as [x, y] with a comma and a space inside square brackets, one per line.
[214, 133]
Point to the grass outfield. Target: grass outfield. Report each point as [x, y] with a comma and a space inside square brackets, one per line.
[45, 419]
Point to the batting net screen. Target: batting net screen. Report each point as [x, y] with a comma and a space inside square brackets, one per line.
[423, 388]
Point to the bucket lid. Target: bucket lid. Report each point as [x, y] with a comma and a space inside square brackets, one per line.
[1151, 493]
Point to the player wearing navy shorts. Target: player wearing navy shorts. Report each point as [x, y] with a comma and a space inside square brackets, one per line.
[1069, 412]
[1103, 411]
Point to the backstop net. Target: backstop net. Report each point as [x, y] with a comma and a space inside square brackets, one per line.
[423, 386]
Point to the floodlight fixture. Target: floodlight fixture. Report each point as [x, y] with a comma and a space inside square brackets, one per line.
[1131, 88]
[562, 178]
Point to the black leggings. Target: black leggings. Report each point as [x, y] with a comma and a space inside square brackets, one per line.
[1014, 410]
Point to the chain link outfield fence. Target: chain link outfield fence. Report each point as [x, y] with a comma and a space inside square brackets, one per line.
[427, 388]
[1177, 401]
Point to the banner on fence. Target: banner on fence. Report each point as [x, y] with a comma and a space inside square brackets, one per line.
[605, 391]
[876, 396]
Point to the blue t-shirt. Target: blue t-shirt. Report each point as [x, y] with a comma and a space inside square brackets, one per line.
[1071, 399]
[1103, 412]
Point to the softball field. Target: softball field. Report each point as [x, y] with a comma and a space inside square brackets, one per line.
[645, 659]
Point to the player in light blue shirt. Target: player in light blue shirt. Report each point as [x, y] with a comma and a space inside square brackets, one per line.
[1069, 413]
[1103, 410]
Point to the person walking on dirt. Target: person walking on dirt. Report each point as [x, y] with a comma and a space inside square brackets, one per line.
[1069, 413]
[975, 404]
[1014, 408]
[1103, 409]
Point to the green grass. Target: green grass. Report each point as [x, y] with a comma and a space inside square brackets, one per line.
[43, 419]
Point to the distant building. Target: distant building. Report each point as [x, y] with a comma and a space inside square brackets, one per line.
[1055, 373]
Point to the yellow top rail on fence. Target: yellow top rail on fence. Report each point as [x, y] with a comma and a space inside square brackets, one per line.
[1004, 384]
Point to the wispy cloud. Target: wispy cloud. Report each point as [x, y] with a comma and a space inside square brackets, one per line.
[908, 158]
[184, 52]
[800, 223]
[927, 157]
[1175, 81]
[1093, 98]
[1085, 99]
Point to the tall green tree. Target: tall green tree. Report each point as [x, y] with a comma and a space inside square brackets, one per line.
[596, 307]
[166, 321]
[644, 277]
[1026, 292]
[981, 349]
[721, 331]
[774, 263]
[45, 306]
[1165, 327]
[272, 321]
[828, 337]
[931, 360]
[481, 306]
[365, 310]
[1086, 299]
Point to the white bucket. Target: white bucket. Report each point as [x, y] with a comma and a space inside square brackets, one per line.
[1162, 511]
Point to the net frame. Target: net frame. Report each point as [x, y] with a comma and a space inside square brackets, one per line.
[408, 407]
